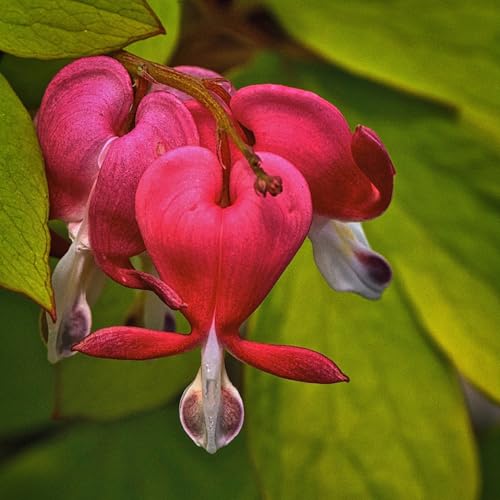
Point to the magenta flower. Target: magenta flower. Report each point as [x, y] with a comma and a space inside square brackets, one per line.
[159, 176]
[94, 158]
[222, 261]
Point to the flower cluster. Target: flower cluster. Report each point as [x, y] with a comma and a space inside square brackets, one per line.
[151, 172]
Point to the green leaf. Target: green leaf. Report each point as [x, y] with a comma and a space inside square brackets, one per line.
[489, 448]
[26, 381]
[108, 389]
[399, 429]
[146, 457]
[441, 233]
[160, 47]
[55, 29]
[446, 51]
[24, 237]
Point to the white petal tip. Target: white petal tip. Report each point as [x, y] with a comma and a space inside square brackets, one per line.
[211, 429]
[346, 261]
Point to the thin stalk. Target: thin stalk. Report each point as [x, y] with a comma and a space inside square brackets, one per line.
[193, 86]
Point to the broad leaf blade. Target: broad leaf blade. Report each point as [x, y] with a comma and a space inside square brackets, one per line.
[24, 237]
[444, 307]
[55, 29]
[399, 429]
[447, 52]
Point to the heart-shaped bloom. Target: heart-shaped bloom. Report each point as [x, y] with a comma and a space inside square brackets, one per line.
[129, 176]
[222, 260]
[95, 151]
[350, 175]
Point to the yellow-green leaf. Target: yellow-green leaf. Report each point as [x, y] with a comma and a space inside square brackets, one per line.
[55, 29]
[26, 378]
[444, 50]
[24, 237]
[146, 457]
[398, 429]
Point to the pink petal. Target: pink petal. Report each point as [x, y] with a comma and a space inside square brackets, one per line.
[205, 123]
[260, 237]
[84, 106]
[180, 222]
[162, 123]
[223, 259]
[370, 155]
[128, 342]
[350, 177]
[295, 363]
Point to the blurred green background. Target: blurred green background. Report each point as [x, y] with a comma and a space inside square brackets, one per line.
[425, 76]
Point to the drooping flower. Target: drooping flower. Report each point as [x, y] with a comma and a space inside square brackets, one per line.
[217, 246]
[222, 260]
[87, 133]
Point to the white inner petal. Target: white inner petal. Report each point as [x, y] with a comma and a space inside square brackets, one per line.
[211, 409]
[345, 259]
[76, 281]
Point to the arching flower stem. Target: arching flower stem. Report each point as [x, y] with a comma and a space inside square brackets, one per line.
[196, 88]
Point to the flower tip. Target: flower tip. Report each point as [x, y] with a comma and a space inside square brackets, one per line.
[377, 268]
[85, 346]
[364, 138]
[332, 374]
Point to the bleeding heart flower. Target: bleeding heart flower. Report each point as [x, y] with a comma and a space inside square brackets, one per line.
[95, 155]
[222, 259]
[129, 177]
